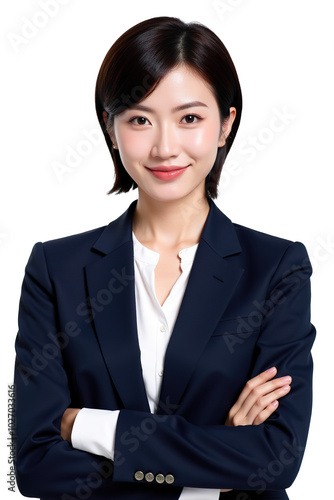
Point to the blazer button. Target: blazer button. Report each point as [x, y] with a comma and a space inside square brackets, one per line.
[160, 478]
[169, 479]
[139, 475]
[149, 477]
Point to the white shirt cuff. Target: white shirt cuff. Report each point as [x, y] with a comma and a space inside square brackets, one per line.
[200, 493]
[94, 431]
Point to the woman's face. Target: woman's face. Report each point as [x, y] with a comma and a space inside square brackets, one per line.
[168, 143]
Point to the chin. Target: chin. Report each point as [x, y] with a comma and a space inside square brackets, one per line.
[176, 195]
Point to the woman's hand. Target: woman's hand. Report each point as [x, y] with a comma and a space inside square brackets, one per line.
[258, 400]
[67, 422]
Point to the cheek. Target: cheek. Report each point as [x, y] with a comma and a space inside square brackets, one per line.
[131, 146]
[204, 141]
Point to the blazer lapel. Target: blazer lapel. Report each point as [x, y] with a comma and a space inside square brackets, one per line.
[110, 282]
[211, 284]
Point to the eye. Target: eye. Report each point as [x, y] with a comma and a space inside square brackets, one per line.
[191, 119]
[139, 120]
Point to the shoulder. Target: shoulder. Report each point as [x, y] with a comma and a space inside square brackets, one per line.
[271, 252]
[73, 252]
[84, 241]
[249, 237]
[65, 253]
[95, 241]
[232, 238]
[252, 238]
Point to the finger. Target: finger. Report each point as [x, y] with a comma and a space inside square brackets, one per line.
[265, 414]
[254, 399]
[277, 394]
[251, 384]
[262, 403]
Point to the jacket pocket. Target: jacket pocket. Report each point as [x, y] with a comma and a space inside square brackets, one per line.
[236, 326]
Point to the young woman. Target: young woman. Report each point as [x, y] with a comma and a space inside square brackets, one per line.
[152, 353]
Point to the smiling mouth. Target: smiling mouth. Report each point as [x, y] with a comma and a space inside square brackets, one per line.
[167, 169]
[167, 173]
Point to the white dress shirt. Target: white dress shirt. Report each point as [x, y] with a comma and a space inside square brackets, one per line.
[94, 430]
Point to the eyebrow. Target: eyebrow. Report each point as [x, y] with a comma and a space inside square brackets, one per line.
[174, 110]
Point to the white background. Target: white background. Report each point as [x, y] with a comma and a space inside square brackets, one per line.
[283, 52]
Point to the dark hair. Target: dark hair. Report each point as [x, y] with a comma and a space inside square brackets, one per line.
[142, 56]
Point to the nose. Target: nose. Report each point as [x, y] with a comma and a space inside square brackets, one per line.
[165, 142]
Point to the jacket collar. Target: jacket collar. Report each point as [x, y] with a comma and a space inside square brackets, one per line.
[118, 232]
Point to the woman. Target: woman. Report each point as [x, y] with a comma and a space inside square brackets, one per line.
[152, 352]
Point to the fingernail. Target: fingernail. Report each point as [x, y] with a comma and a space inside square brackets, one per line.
[286, 388]
[271, 370]
[275, 403]
[286, 379]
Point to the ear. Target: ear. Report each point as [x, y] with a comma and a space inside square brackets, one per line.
[109, 129]
[227, 127]
[105, 118]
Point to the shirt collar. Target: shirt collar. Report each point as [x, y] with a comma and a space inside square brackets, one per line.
[149, 256]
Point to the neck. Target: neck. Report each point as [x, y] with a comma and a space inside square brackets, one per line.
[170, 223]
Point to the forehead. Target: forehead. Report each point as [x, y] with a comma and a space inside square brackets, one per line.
[179, 84]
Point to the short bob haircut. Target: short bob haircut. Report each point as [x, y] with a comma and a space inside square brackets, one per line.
[142, 56]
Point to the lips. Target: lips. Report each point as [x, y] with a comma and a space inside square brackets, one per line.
[170, 168]
[167, 173]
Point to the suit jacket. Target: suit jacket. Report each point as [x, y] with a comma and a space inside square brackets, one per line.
[246, 308]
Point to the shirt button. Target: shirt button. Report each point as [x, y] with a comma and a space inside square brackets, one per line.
[161, 372]
[162, 328]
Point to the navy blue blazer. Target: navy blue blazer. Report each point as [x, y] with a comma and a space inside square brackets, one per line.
[246, 308]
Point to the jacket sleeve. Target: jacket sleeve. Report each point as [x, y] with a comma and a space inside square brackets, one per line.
[267, 456]
[46, 465]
